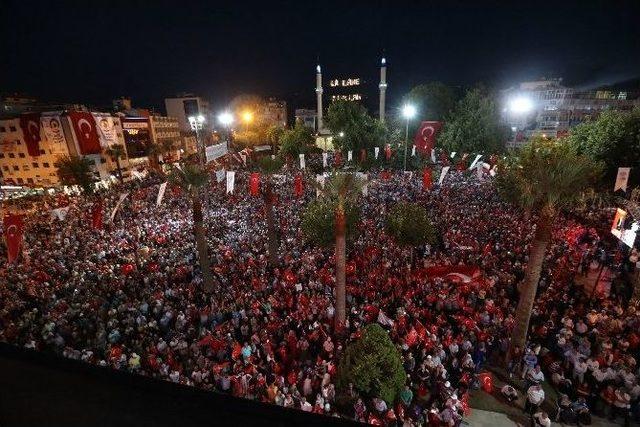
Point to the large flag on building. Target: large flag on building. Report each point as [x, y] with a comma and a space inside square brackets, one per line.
[30, 125]
[231, 180]
[85, 129]
[13, 229]
[53, 133]
[106, 129]
[622, 179]
[254, 184]
[425, 138]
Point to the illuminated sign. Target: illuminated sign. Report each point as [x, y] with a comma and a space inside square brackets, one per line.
[355, 81]
[351, 97]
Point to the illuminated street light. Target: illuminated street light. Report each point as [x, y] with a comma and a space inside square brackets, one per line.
[408, 112]
[247, 117]
[341, 134]
[225, 118]
[520, 105]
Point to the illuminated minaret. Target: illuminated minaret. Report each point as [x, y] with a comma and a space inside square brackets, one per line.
[383, 86]
[319, 97]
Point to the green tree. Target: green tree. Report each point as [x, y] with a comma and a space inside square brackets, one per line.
[335, 215]
[373, 365]
[269, 167]
[353, 128]
[613, 139]
[191, 178]
[474, 125]
[543, 178]
[298, 140]
[116, 151]
[433, 100]
[274, 134]
[410, 226]
[76, 171]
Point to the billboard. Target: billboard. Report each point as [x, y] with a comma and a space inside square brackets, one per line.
[137, 136]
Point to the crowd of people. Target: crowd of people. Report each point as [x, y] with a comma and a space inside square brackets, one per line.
[129, 296]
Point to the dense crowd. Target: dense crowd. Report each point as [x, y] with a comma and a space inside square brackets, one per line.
[129, 297]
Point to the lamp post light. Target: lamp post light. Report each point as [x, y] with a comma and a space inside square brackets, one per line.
[197, 123]
[519, 106]
[408, 112]
[226, 120]
[247, 117]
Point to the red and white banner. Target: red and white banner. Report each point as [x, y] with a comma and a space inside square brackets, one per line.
[53, 133]
[455, 273]
[86, 133]
[13, 229]
[427, 180]
[30, 125]
[106, 129]
[387, 151]
[622, 179]
[425, 138]
[298, 188]
[254, 184]
[161, 190]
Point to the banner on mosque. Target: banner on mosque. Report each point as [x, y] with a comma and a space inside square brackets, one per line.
[325, 155]
[30, 125]
[622, 229]
[349, 156]
[220, 175]
[622, 179]
[13, 229]
[254, 184]
[96, 216]
[84, 128]
[302, 163]
[120, 200]
[53, 133]
[455, 273]
[475, 161]
[106, 129]
[161, 190]
[298, 188]
[231, 180]
[425, 138]
[376, 152]
[443, 174]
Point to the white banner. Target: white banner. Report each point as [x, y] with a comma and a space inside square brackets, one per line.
[376, 151]
[479, 171]
[216, 151]
[453, 154]
[475, 161]
[443, 174]
[161, 190]
[433, 155]
[302, 164]
[324, 159]
[106, 129]
[220, 175]
[349, 155]
[60, 213]
[320, 181]
[622, 179]
[413, 150]
[120, 200]
[493, 170]
[244, 158]
[363, 178]
[53, 133]
[231, 180]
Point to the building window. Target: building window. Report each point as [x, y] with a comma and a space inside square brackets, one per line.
[29, 180]
[6, 168]
[3, 129]
[21, 155]
[1, 156]
[20, 181]
[16, 168]
[35, 165]
[45, 165]
[12, 156]
[43, 152]
[12, 128]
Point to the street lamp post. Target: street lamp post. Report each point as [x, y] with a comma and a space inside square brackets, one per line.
[408, 112]
[197, 123]
[226, 119]
[519, 106]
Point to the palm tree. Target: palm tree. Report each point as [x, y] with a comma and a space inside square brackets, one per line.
[116, 151]
[335, 214]
[274, 133]
[191, 178]
[543, 178]
[409, 225]
[75, 171]
[269, 167]
[153, 151]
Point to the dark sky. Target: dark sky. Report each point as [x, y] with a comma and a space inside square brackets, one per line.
[91, 52]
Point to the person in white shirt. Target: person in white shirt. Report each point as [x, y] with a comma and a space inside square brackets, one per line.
[541, 419]
[535, 397]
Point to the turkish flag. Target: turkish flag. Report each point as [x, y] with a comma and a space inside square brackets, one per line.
[338, 158]
[30, 125]
[254, 184]
[486, 381]
[425, 138]
[84, 127]
[13, 229]
[387, 151]
[426, 179]
[298, 188]
[386, 175]
[96, 216]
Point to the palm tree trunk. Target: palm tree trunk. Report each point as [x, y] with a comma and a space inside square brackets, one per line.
[119, 169]
[201, 244]
[341, 243]
[529, 287]
[271, 225]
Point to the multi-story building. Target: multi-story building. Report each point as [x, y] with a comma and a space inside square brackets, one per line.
[307, 117]
[184, 106]
[555, 108]
[166, 130]
[274, 113]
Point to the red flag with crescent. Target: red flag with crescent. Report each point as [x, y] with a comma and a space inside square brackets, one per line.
[84, 126]
[96, 216]
[13, 229]
[387, 151]
[425, 138]
[298, 186]
[30, 125]
[254, 184]
[426, 179]
[486, 381]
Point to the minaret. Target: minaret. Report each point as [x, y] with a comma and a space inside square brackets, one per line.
[319, 97]
[383, 87]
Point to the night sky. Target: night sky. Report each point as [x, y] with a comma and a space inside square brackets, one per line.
[91, 52]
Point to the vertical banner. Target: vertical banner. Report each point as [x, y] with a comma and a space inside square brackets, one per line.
[84, 128]
[254, 184]
[320, 181]
[231, 180]
[120, 200]
[413, 151]
[443, 174]
[53, 133]
[453, 154]
[106, 129]
[244, 158]
[433, 155]
[349, 156]
[479, 171]
[161, 190]
[96, 216]
[363, 178]
[302, 163]
[298, 189]
[425, 137]
[387, 151]
[376, 151]
[475, 161]
[622, 179]
[13, 229]
[30, 125]
[220, 175]
[426, 179]
[325, 155]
